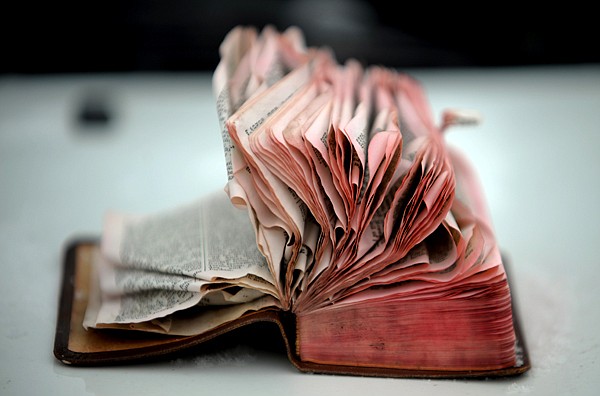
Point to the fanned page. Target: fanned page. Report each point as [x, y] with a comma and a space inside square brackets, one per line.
[343, 206]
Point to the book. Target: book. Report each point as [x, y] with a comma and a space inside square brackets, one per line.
[347, 222]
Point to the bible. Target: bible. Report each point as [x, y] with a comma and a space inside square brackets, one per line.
[347, 222]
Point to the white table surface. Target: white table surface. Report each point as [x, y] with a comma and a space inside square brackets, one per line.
[537, 153]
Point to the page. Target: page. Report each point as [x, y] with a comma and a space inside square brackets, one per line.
[204, 252]
[204, 239]
[232, 51]
[141, 311]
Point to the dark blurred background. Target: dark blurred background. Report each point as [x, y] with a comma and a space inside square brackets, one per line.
[108, 36]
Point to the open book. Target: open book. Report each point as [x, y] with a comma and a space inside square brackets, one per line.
[346, 220]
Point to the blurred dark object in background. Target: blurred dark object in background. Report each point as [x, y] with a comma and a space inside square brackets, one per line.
[108, 36]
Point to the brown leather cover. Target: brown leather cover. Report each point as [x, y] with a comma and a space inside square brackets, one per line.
[75, 346]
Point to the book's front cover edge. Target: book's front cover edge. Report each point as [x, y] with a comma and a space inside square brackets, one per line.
[285, 322]
[65, 304]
